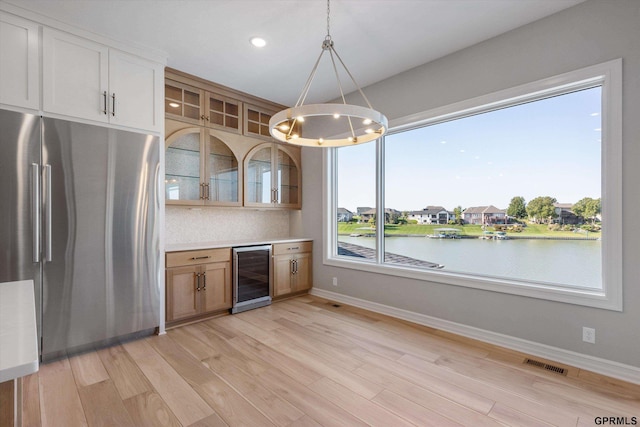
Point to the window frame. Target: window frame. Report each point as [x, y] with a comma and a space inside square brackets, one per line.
[608, 75]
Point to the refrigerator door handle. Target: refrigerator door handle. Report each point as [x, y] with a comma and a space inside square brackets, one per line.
[47, 218]
[36, 210]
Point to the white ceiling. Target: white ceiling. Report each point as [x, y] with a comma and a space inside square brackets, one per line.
[375, 38]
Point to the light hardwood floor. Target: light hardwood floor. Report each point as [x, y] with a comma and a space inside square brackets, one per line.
[304, 362]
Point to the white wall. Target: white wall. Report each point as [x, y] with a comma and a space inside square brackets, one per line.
[589, 33]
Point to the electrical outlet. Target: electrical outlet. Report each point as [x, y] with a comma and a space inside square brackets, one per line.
[589, 335]
[335, 281]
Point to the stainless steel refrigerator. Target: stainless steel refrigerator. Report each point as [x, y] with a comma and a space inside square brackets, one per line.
[79, 215]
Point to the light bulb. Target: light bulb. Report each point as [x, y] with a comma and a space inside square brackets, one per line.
[336, 116]
[300, 119]
[284, 127]
[258, 42]
[174, 105]
[367, 121]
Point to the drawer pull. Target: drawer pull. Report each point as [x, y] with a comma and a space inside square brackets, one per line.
[201, 257]
[293, 249]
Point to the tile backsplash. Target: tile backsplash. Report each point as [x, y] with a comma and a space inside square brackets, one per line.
[192, 225]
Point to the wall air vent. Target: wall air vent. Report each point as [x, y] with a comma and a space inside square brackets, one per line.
[542, 365]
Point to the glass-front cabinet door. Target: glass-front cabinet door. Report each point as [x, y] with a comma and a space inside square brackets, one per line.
[223, 113]
[182, 102]
[182, 169]
[201, 169]
[288, 188]
[223, 183]
[272, 177]
[258, 188]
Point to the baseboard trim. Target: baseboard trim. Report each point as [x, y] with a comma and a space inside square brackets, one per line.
[590, 363]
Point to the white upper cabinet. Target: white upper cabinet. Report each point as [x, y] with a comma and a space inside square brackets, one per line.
[135, 86]
[19, 62]
[89, 80]
[75, 76]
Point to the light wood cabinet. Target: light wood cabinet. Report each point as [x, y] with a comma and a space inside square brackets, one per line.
[88, 80]
[182, 102]
[19, 62]
[256, 121]
[201, 169]
[201, 107]
[198, 283]
[272, 176]
[292, 270]
[219, 151]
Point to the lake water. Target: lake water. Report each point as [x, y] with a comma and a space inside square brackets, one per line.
[568, 262]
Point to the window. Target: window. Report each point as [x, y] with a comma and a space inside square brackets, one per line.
[524, 193]
[356, 177]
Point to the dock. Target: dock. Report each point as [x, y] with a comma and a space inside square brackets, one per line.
[357, 251]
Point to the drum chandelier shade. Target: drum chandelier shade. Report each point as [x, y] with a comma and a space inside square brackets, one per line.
[328, 125]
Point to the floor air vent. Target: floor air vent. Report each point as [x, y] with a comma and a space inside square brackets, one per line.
[542, 365]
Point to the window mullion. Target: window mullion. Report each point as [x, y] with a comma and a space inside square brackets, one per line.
[330, 169]
[380, 203]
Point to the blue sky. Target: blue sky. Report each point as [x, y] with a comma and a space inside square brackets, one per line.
[550, 147]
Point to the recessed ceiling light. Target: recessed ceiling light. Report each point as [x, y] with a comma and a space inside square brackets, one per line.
[258, 41]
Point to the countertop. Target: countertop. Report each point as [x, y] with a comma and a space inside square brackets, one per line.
[176, 247]
[18, 331]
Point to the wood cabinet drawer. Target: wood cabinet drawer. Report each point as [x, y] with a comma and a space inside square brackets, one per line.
[291, 248]
[204, 256]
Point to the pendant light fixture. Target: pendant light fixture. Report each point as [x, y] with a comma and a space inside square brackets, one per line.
[328, 125]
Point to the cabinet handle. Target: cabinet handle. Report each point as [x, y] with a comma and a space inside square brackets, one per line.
[208, 192]
[275, 200]
[197, 277]
[105, 102]
[203, 117]
[202, 191]
[293, 248]
[204, 281]
[201, 257]
[295, 263]
[291, 266]
[113, 104]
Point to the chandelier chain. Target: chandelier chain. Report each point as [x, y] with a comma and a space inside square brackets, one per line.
[328, 12]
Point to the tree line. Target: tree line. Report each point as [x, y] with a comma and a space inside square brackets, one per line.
[542, 210]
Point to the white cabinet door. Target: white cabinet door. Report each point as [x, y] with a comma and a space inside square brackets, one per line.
[135, 89]
[19, 62]
[75, 76]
